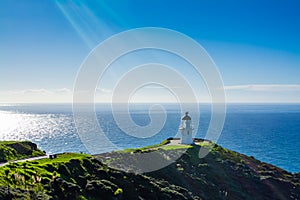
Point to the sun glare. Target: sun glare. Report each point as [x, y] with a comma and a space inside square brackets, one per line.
[9, 121]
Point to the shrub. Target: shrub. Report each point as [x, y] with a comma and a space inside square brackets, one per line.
[119, 191]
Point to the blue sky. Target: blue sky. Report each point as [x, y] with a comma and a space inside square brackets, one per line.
[255, 44]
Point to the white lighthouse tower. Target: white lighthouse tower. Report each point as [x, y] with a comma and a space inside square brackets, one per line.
[186, 130]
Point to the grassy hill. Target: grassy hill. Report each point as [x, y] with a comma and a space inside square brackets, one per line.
[222, 174]
[14, 150]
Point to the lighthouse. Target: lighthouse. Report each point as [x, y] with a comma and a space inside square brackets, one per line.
[186, 129]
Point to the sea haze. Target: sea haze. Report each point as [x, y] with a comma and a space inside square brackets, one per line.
[269, 132]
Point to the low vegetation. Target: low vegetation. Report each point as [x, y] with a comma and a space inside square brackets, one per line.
[222, 174]
[14, 150]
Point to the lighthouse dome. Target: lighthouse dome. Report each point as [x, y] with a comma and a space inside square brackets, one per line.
[186, 116]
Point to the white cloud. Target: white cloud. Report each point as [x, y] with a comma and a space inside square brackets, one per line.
[43, 91]
[62, 90]
[160, 87]
[39, 95]
[39, 91]
[265, 88]
[272, 93]
[33, 91]
[103, 90]
[235, 93]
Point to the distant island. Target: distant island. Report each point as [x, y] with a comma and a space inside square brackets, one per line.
[222, 174]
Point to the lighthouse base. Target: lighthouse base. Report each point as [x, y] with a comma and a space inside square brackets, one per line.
[186, 138]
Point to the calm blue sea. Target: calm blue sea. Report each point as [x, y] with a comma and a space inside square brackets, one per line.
[269, 132]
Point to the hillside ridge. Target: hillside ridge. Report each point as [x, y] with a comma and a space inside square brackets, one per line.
[222, 174]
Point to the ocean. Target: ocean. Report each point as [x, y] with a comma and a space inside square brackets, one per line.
[269, 132]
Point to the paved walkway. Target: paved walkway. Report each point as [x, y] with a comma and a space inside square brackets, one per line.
[176, 141]
[24, 160]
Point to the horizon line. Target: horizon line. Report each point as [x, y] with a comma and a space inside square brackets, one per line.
[265, 102]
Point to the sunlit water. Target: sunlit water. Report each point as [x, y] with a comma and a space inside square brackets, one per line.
[270, 133]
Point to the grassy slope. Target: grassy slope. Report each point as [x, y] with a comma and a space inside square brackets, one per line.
[222, 174]
[33, 178]
[13, 150]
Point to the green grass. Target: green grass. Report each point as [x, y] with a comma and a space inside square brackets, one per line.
[77, 172]
[46, 169]
[174, 147]
[61, 158]
[9, 142]
[14, 150]
[118, 191]
[145, 149]
[163, 145]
